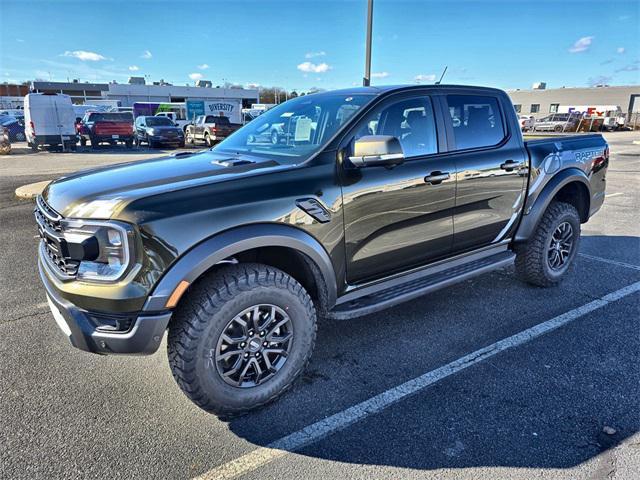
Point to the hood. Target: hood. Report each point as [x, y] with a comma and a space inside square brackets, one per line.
[166, 128]
[101, 193]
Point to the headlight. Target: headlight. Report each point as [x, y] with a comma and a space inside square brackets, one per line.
[150, 131]
[103, 248]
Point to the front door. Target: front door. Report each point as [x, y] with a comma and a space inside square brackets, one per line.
[401, 217]
[490, 171]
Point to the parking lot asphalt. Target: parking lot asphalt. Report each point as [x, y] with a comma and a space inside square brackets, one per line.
[536, 409]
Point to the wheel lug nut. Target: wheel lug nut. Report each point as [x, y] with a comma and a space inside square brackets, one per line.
[246, 355]
[262, 334]
[243, 344]
[264, 344]
[257, 354]
[251, 333]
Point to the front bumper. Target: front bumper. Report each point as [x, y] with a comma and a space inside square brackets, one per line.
[142, 338]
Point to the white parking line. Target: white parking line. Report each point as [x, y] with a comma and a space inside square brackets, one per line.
[323, 428]
[612, 262]
[617, 194]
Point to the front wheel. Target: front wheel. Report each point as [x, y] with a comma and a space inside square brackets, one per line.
[241, 337]
[546, 258]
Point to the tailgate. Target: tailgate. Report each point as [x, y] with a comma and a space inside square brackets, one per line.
[113, 128]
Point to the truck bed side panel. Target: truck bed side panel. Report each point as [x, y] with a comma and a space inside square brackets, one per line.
[585, 153]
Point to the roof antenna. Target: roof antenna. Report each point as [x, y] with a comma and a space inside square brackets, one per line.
[442, 76]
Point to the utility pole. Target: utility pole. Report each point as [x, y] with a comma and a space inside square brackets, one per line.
[366, 81]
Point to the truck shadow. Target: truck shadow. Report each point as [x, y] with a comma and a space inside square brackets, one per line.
[543, 404]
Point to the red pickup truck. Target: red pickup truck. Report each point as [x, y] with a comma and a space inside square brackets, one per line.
[106, 127]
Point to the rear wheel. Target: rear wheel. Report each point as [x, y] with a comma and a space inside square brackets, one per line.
[557, 128]
[241, 338]
[207, 140]
[188, 138]
[546, 258]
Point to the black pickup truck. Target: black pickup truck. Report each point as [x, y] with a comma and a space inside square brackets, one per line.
[379, 195]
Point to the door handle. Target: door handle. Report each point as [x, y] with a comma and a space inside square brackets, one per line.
[510, 165]
[437, 177]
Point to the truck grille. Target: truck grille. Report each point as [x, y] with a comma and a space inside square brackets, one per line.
[53, 247]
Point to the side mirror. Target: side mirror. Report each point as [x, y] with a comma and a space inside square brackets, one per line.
[377, 150]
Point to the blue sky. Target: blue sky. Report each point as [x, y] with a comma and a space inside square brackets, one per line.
[303, 44]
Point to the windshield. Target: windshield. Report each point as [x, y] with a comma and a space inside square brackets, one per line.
[297, 128]
[110, 117]
[159, 122]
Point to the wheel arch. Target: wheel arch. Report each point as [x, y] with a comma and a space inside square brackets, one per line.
[290, 249]
[570, 186]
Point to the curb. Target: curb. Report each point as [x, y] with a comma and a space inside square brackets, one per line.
[31, 190]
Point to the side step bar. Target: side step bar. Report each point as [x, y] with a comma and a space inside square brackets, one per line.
[416, 287]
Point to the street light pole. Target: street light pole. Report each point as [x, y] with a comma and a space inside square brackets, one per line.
[366, 81]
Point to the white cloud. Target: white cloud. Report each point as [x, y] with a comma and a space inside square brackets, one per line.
[380, 75]
[252, 85]
[84, 55]
[599, 80]
[581, 45]
[425, 78]
[146, 54]
[313, 67]
[134, 68]
[620, 50]
[204, 66]
[321, 53]
[195, 76]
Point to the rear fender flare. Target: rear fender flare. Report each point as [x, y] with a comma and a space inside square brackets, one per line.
[224, 245]
[534, 213]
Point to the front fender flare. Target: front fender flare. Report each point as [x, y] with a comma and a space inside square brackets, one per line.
[534, 213]
[224, 245]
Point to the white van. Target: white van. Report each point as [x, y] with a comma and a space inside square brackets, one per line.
[49, 119]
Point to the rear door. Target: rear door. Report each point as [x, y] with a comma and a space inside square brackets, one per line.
[491, 175]
[401, 217]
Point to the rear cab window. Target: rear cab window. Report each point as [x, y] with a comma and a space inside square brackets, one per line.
[476, 121]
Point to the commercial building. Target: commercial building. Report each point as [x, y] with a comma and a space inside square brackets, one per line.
[12, 96]
[541, 101]
[79, 92]
[128, 94]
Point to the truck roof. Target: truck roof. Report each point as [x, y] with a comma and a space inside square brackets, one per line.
[379, 90]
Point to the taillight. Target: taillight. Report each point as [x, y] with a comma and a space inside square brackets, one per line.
[33, 128]
[606, 153]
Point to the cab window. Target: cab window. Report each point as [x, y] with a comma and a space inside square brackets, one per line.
[411, 120]
[476, 121]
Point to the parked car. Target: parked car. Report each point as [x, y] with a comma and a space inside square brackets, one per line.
[156, 131]
[236, 250]
[5, 142]
[557, 122]
[210, 129]
[526, 122]
[106, 127]
[14, 126]
[49, 120]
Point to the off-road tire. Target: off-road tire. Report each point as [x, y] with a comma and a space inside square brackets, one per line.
[204, 313]
[532, 264]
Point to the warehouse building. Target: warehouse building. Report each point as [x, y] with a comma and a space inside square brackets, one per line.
[128, 94]
[138, 91]
[540, 101]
